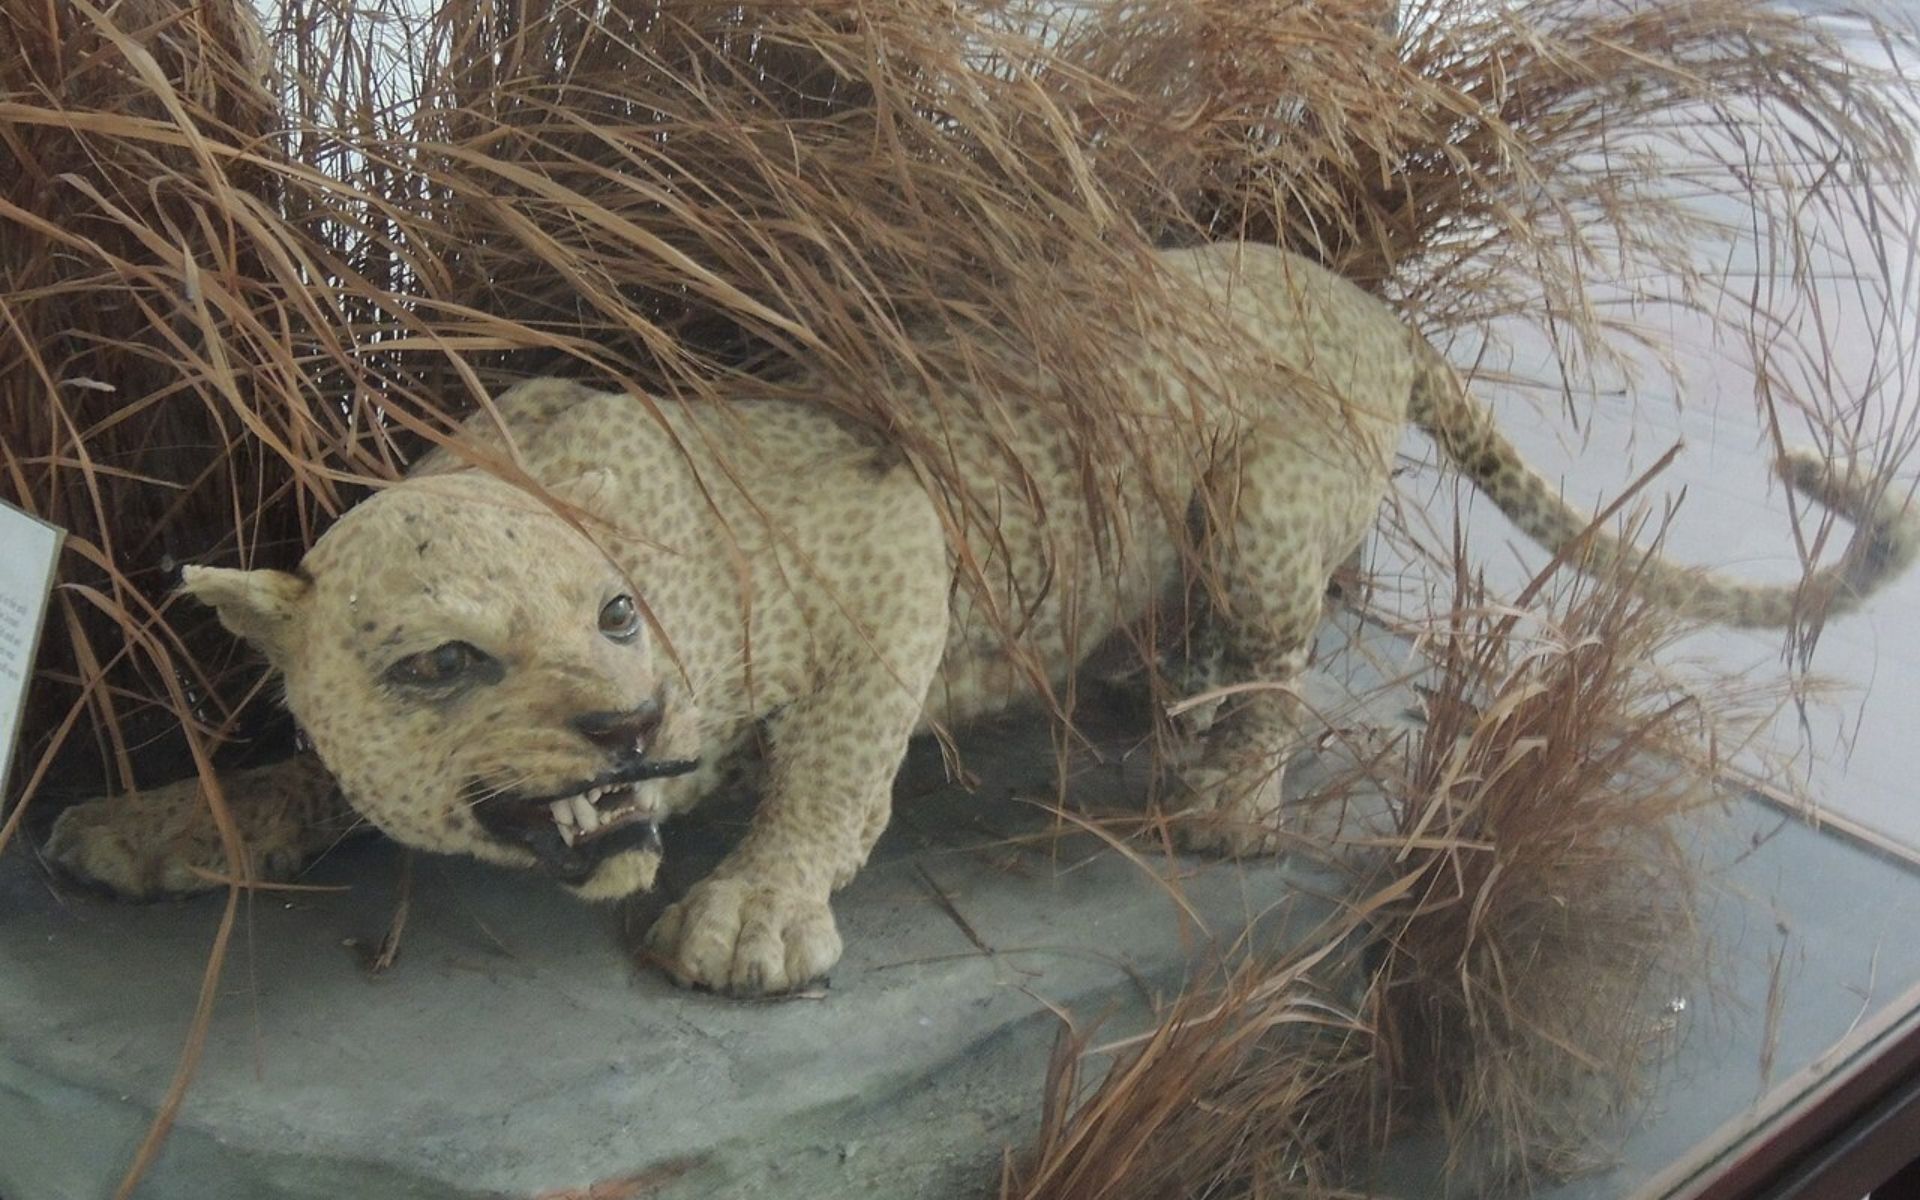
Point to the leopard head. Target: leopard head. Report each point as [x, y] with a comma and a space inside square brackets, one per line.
[480, 675]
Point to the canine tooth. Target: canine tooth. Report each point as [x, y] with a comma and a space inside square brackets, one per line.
[585, 815]
[562, 813]
[568, 834]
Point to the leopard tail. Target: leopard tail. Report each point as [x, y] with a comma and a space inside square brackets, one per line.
[1886, 539]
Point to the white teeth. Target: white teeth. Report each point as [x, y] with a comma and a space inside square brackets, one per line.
[585, 815]
[563, 820]
[563, 817]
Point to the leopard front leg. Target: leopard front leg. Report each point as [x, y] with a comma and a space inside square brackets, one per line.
[761, 923]
[164, 842]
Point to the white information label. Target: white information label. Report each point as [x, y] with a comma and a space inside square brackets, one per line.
[29, 548]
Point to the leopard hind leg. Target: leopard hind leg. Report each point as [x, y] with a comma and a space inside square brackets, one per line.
[1234, 748]
[1273, 527]
[164, 842]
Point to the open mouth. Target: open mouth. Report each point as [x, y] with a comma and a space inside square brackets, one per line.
[595, 813]
[570, 833]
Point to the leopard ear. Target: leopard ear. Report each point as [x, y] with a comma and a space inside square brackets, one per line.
[263, 607]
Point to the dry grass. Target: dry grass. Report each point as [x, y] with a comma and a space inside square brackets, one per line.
[131, 263]
[1253, 1087]
[1543, 827]
[235, 294]
[1504, 964]
[237, 290]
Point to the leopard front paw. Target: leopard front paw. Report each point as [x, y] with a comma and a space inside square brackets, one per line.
[750, 939]
[158, 844]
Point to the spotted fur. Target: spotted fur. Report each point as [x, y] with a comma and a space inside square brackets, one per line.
[810, 610]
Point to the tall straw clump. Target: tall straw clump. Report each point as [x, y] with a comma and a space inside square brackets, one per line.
[243, 283]
[239, 287]
[246, 278]
[1522, 979]
[1501, 973]
[1256, 1086]
[138, 246]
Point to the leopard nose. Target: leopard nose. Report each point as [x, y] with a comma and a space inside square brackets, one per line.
[629, 730]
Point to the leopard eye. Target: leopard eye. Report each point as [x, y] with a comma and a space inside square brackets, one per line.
[620, 619]
[444, 664]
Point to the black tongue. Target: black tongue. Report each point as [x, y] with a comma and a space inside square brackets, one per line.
[568, 864]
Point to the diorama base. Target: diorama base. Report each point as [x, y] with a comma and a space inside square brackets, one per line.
[517, 1048]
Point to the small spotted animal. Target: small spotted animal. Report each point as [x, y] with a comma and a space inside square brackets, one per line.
[480, 674]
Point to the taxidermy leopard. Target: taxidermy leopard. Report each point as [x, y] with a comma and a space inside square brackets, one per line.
[486, 673]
